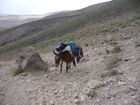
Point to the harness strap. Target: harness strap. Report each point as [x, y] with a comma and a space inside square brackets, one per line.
[57, 57]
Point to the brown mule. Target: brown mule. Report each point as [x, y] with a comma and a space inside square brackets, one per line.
[64, 57]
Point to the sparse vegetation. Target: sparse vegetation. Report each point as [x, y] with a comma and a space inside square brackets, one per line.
[113, 41]
[113, 62]
[137, 44]
[16, 71]
[109, 73]
[106, 41]
[107, 51]
[86, 45]
[117, 49]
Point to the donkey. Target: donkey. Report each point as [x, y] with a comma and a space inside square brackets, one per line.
[64, 57]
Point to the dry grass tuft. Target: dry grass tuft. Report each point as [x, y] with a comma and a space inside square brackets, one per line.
[113, 62]
[16, 71]
[109, 73]
[117, 49]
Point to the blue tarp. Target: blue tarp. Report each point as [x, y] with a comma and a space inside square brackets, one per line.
[73, 46]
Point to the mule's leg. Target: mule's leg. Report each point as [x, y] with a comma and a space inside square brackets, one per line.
[74, 63]
[61, 66]
[67, 67]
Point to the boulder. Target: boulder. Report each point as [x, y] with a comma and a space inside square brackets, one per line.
[29, 59]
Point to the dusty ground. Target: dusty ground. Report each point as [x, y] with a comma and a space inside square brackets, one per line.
[83, 85]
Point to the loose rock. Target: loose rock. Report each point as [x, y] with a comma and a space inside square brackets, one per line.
[94, 84]
[52, 103]
[77, 101]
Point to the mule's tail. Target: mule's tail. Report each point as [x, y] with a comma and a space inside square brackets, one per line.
[81, 54]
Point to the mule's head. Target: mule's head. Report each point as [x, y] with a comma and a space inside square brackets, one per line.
[57, 59]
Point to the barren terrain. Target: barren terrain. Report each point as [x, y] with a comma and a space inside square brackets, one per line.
[90, 83]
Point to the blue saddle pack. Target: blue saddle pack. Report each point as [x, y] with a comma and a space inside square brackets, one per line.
[73, 46]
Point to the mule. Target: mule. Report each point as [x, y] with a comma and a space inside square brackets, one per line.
[64, 57]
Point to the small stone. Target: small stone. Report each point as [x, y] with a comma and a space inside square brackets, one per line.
[121, 83]
[86, 90]
[86, 79]
[46, 76]
[89, 92]
[76, 95]
[133, 24]
[111, 79]
[132, 88]
[93, 84]
[24, 74]
[105, 82]
[53, 69]
[77, 101]
[128, 101]
[132, 79]
[92, 93]
[2, 93]
[52, 103]
[98, 100]
[83, 97]
[126, 59]
[134, 97]
[80, 79]
[55, 92]
[102, 60]
[126, 37]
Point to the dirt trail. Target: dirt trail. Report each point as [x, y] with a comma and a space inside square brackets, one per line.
[53, 88]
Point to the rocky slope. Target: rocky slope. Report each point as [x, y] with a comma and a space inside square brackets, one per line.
[90, 83]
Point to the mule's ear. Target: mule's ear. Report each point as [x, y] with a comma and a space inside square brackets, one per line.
[55, 53]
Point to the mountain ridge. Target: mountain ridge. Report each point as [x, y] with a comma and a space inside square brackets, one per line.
[10, 21]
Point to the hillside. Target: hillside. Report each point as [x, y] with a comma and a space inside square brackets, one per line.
[108, 74]
[9, 21]
[67, 24]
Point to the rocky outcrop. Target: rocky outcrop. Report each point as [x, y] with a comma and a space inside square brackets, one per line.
[29, 59]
